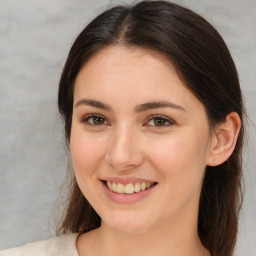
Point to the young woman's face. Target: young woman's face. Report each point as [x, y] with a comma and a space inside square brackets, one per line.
[135, 125]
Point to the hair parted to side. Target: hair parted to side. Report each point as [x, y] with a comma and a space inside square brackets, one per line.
[205, 66]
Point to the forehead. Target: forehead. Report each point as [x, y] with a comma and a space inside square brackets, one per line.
[131, 73]
[132, 57]
[126, 65]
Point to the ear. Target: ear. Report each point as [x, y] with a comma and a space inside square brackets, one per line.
[224, 140]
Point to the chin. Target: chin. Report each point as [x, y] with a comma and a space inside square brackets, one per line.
[129, 230]
[126, 225]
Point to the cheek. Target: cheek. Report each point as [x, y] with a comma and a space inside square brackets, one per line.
[179, 152]
[181, 161]
[86, 153]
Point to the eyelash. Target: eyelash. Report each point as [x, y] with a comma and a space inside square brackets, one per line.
[151, 118]
[88, 117]
[160, 117]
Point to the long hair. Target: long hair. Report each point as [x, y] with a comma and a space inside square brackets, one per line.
[204, 64]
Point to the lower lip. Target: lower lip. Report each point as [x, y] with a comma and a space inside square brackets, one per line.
[126, 198]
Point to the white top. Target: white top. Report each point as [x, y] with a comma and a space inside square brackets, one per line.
[64, 245]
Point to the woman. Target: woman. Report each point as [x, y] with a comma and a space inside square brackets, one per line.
[153, 118]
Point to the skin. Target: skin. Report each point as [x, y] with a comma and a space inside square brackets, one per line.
[125, 142]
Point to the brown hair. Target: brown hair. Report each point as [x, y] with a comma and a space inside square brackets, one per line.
[205, 65]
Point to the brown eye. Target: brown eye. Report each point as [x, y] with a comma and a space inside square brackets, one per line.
[94, 120]
[98, 120]
[159, 122]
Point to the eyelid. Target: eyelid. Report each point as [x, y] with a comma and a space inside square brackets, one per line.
[171, 122]
[88, 116]
[157, 116]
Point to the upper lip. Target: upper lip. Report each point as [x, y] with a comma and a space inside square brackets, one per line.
[126, 180]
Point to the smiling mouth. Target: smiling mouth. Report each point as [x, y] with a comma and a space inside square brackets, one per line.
[130, 188]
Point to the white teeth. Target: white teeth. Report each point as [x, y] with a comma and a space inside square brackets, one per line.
[137, 187]
[143, 186]
[129, 188]
[113, 187]
[109, 185]
[120, 188]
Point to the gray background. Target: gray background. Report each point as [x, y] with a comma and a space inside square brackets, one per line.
[35, 37]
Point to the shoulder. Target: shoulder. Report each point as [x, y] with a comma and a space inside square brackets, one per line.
[64, 245]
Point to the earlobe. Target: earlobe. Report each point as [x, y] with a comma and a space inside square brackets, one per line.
[224, 140]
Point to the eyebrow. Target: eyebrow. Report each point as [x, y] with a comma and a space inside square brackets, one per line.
[157, 104]
[140, 108]
[93, 103]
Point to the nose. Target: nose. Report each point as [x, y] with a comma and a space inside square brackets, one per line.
[124, 151]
